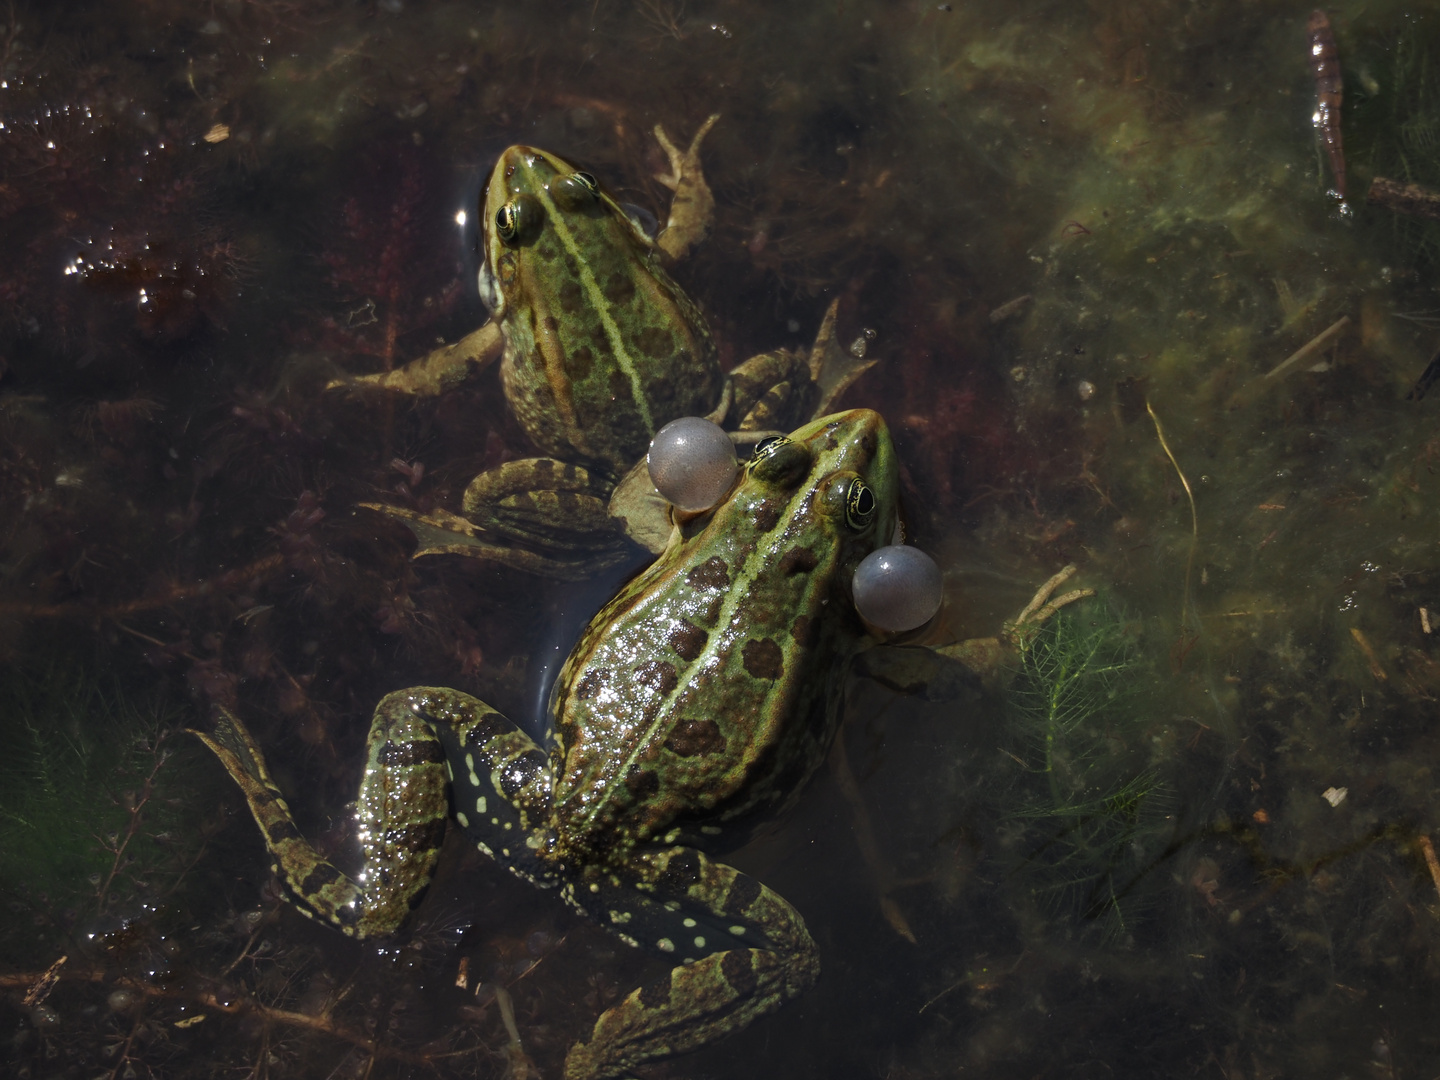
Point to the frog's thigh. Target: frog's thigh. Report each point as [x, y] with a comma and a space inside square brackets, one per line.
[722, 991]
[500, 780]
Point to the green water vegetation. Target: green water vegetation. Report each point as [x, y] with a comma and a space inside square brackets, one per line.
[93, 803]
[1393, 87]
[1085, 816]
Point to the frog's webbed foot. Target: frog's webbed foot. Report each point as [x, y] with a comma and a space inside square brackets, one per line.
[539, 515]
[543, 503]
[692, 206]
[834, 365]
[745, 950]
[400, 839]
[1023, 628]
[439, 532]
[434, 374]
[772, 392]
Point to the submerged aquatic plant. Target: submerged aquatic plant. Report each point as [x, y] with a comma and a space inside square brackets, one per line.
[92, 807]
[1084, 810]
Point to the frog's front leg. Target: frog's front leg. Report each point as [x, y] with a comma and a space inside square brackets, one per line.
[438, 371]
[745, 952]
[943, 672]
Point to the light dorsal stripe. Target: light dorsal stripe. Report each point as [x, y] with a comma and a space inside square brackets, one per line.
[623, 358]
[741, 582]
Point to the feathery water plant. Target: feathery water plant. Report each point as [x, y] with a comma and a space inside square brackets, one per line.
[1084, 809]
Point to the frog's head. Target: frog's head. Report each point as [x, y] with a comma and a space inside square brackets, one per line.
[536, 212]
[809, 507]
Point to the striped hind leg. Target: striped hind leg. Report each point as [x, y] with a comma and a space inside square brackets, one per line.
[402, 810]
[500, 781]
[745, 953]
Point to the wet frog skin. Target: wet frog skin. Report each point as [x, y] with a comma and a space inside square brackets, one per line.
[697, 702]
[600, 349]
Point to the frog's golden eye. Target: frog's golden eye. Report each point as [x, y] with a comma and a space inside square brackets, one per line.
[780, 461]
[859, 504]
[518, 220]
[767, 446]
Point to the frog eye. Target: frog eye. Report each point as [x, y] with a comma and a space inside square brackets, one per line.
[781, 461]
[859, 504]
[576, 191]
[518, 220]
[767, 446]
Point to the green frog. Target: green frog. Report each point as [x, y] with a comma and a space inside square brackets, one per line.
[695, 705]
[600, 348]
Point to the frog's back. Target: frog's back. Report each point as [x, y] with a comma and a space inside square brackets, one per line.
[602, 348]
[704, 695]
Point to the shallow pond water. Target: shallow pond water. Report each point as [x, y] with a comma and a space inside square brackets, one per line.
[1121, 320]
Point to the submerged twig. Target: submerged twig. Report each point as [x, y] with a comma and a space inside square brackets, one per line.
[1309, 349]
[1374, 661]
[1409, 199]
[1194, 517]
[1427, 849]
[1254, 387]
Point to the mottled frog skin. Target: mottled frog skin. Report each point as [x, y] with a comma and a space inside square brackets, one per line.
[600, 349]
[697, 703]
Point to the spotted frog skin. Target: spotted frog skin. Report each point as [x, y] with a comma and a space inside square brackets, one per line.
[600, 349]
[696, 704]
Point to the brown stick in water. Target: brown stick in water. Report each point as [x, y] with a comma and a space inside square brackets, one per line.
[1329, 91]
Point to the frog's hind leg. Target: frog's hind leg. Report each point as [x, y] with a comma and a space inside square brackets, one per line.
[744, 952]
[543, 502]
[400, 837]
[500, 781]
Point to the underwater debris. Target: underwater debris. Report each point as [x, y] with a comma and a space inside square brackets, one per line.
[1427, 379]
[1403, 198]
[1329, 93]
[1255, 387]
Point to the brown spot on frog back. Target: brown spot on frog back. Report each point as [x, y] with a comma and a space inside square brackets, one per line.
[579, 362]
[642, 782]
[805, 630]
[591, 683]
[691, 738]
[656, 342]
[798, 560]
[657, 675]
[711, 574]
[619, 289]
[688, 640]
[767, 515]
[571, 298]
[763, 658]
